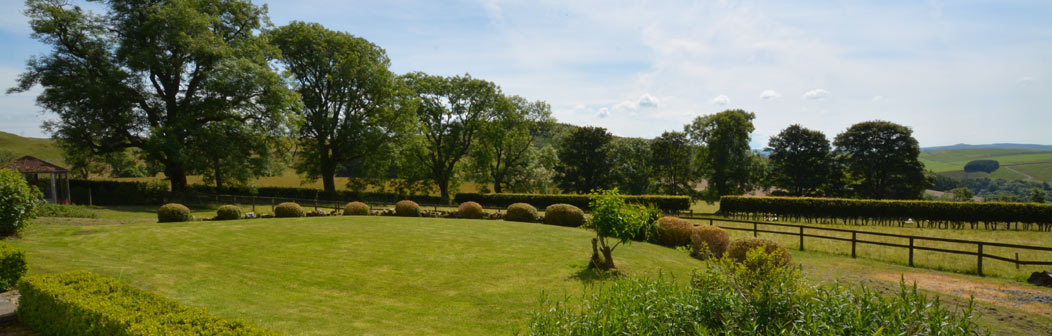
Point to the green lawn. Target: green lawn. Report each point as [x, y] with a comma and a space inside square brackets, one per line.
[951, 160]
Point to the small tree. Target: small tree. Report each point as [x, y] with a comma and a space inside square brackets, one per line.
[18, 201]
[615, 222]
[961, 194]
[1038, 196]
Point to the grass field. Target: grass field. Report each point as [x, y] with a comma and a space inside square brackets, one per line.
[951, 160]
[44, 149]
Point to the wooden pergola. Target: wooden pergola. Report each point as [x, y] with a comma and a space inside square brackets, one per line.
[57, 191]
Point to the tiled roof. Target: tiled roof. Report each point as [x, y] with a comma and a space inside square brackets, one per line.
[29, 164]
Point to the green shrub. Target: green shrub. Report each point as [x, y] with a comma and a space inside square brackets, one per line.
[664, 202]
[228, 212]
[673, 231]
[12, 265]
[84, 303]
[45, 209]
[522, 212]
[470, 210]
[356, 209]
[739, 249]
[709, 240]
[289, 209]
[407, 208]
[173, 212]
[18, 202]
[564, 215]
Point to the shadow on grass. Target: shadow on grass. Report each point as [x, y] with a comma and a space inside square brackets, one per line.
[588, 275]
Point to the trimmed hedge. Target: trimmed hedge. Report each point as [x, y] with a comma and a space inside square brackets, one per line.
[228, 212]
[12, 265]
[311, 193]
[673, 231]
[564, 215]
[860, 209]
[84, 303]
[713, 238]
[663, 202]
[407, 208]
[356, 209]
[141, 193]
[739, 248]
[522, 212]
[470, 210]
[289, 209]
[116, 193]
[173, 212]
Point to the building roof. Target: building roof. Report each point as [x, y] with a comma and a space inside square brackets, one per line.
[29, 164]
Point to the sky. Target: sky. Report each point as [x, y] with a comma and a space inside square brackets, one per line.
[955, 72]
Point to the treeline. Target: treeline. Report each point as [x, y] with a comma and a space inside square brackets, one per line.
[993, 190]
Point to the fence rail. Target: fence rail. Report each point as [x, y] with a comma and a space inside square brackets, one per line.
[855, 241]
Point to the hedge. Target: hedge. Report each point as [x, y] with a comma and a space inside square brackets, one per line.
[667, 203]
[899, 210]
[12, 265]
[116, 193]
[311, 193]
[84, 303]
[141, 193]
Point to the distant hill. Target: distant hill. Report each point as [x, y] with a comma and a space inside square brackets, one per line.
[44, 149]
[989, 146]
[1016, 163]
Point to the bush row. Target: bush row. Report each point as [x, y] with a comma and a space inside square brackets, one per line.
[116, 193]
[311, 193]
[663, 202]
[84, 303]
[12, 265]
[141, 193]
[842, 208]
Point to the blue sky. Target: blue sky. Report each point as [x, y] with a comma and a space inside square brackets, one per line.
[956, 72]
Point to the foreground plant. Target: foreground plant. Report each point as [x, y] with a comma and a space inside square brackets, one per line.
[615, 222]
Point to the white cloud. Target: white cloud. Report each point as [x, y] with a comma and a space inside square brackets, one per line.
[1026, 81]
[646, 100]
[816, 94]
[721, 100]
[603, 112]
[770, 95]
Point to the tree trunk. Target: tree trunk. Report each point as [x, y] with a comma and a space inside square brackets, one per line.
[328, 175]
[606, 262]
[177, 175]
[497, 181]
[443, 187]
[218, 174]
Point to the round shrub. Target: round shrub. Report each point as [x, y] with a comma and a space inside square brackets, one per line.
[173, 212]
[470, 210]
[12, 265]
[522, 212]
[356, 209]
[673, 231]
[18, 202]
[407, 209]
[563, 215]
[228, 212]
[289, 209]
[739, 248]
[712, 238]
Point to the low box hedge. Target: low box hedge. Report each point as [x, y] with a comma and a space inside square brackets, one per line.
[84, 303]
[844, 208]
[664, 202]
[12, 265]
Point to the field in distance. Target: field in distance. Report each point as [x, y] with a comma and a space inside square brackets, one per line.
[1016, 164]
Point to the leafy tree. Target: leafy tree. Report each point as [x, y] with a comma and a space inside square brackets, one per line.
[960, 194]
[452, 112]
[1038, 196]
[231, 155]
[154, 76]
[537, 173]
[18, 202]
[505, 142]
[353, 105]
[583, 159]
[629, 162]
[881, 161]
[672, 158]
[725, 161]
[801, 161]
[986, 166]
[1003, 197]
[615, 222]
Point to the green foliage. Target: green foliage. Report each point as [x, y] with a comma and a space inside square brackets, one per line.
[630, 165]
[18, 202]
[728, 298]
[289, 209]
[842, 208]
[986, 166]
[709, 241]
[989, 189]
[470, 210]
[801, 162]
[158, 77]
[116, 193]
[742, 250]
[615, 222]
[663, 202]
[173, 212]
[356, 209]
[960, 195]
[564, 215]
[45, 209]
[407, 209]
[12, 265]
[228, 212]
[312, 193]
[881, 161]
[521, 212]
[83, 303]
[583, 163]
[672, 158]
[673, 231]
[1038, 196]
[726, 161]
[505, 143]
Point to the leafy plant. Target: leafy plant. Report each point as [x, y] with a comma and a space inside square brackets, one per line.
[173, 212]
[289, 209]
[407, 209]
[356, 209]
[564, 215]
[521, 212]
[228, 212]
[615, 222]
[12, 265]
[470, 210]
[18, 202]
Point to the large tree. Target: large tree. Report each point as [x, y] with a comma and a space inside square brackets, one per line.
[672, 158]
[583, 159]
[353, 106]
[801, 161]
[881, 161]
[630, 168]
[505, 141]
[725, 161]
[154, 75]
[451, 112]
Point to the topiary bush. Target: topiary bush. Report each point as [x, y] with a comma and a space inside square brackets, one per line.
[564, 215]
[173, 212]
[12, 265]
[407, 209]
[470, 210]
[18, 202]
[356, 209]
[739, 249]
[709, 240]
[228, 212]
[521, 212]
[289, 209]
[673, 231]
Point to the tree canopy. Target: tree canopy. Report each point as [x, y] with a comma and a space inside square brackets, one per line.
[726, 161]
[584, 160]
[801, 161]
[880, 161]
[505, 142]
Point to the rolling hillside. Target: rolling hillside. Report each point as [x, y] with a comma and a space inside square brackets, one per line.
[44, 149]
[1016, 163]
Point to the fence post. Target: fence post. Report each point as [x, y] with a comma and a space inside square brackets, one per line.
[853, 239]
[710, 221]
[801, 238]
[979, 267]
[755, 231]
[1017, 260]
[911, 251]
[253, 204]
